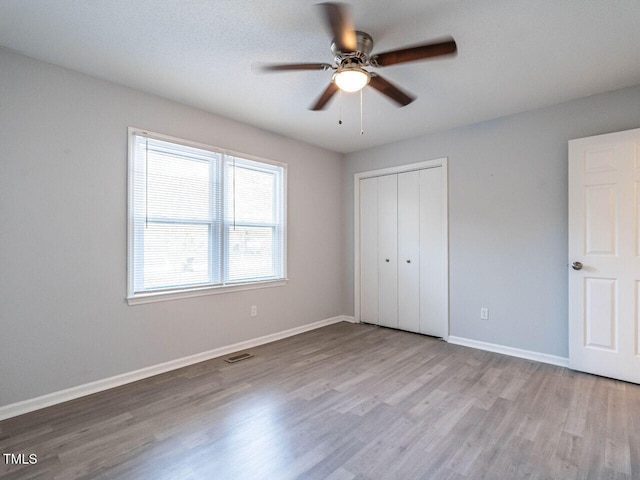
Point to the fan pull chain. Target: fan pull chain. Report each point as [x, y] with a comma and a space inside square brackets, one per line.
[361, 128]
[340, 100]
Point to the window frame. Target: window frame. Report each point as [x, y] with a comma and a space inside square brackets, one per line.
[172, 293]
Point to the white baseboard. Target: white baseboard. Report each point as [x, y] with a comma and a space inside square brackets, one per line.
[26, 406]
[511, 351]
[347, 318]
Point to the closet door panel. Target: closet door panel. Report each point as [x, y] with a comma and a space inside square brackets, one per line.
[369, 250]
[388, 251]
[409, 251]
[433, 287]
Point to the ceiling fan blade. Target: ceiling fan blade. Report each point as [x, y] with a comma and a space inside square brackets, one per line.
[341, 26]
[283, 67]
[411, 54]
[391, 91]
[328, 93]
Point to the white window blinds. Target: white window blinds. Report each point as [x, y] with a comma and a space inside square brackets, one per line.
[253, 220]
[200, 217]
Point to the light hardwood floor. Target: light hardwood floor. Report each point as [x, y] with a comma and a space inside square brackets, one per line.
[342, 402]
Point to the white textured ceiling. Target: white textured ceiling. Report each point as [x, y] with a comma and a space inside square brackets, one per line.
[513, 55]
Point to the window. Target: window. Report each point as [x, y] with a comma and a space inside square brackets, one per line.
[201, 219]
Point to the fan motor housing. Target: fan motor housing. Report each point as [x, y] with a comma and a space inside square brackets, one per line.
[364, 45]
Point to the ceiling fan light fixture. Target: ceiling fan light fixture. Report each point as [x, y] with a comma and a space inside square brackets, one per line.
[351, 79]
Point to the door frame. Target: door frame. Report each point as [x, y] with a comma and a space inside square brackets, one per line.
[435, 163]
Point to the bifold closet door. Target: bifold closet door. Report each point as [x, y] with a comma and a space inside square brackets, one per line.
[433, 260]
[369, 250]
[403, 276]
[403, 281]
[409, 251]
[388, 251]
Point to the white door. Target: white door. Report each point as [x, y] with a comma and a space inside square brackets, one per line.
[434, 295]
[388, 251]
[401, 248]
[409, 251]
[604, 255]
[369, 250]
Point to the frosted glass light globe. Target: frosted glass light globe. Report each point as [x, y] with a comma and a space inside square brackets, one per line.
[351, 80]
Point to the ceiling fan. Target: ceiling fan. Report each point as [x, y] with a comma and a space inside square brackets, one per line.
[352, 54]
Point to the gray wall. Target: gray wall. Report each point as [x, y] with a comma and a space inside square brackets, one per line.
[507, 215]
[63, 139]
[63, 175]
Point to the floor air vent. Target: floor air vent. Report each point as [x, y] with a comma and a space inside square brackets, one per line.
[237, 357]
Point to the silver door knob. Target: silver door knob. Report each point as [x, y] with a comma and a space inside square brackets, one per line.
[576, 266]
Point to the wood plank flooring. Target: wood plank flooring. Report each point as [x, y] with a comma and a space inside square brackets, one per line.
[342, 402]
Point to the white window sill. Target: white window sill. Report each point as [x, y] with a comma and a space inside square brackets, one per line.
[141, 298]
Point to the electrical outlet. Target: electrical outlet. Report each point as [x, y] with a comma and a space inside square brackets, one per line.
[254, 310]
[484, 313]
